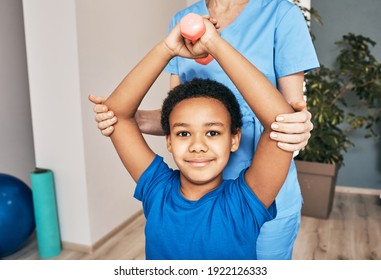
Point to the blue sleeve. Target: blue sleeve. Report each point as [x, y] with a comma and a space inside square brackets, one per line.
[248, 201]
[294, 50]
[153, 183]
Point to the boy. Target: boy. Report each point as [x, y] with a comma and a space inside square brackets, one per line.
[192, 213]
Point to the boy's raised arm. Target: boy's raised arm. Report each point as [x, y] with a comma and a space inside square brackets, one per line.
[124, 102]
[270, 164]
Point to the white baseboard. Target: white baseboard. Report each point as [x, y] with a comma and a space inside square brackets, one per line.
[354, 190]
[77, 247]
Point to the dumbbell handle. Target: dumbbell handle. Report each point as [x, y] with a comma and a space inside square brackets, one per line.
[192, 27]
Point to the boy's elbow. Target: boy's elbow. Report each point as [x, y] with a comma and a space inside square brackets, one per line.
[120, 112]
[269, 115]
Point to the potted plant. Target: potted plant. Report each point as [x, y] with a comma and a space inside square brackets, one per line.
[340, 100]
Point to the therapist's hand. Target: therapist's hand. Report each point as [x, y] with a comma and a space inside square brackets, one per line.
[104, 117]
[292, 131]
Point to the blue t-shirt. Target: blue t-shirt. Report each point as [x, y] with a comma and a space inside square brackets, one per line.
[223, 224]
[274, 36]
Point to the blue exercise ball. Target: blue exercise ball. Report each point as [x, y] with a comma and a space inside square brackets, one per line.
[16, 214]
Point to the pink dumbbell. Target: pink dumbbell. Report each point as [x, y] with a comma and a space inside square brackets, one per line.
[192, 27]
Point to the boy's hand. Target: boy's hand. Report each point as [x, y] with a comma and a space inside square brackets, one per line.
[174, 42]
[199, 48]
[179, 46]
[104, 117]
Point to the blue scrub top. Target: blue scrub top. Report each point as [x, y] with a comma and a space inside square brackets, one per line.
[274, 36]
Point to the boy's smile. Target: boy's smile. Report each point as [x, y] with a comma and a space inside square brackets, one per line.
[199, 162]
[200, 141]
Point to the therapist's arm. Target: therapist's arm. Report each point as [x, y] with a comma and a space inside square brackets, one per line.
[292, 131]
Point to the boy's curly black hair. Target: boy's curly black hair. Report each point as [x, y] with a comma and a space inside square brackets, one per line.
[202, 88]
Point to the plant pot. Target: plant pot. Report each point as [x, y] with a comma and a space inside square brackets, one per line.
[317, 182]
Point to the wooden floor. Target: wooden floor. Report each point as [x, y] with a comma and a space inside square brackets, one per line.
[353, 232]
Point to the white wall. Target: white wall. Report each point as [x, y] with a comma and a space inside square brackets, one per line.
[190, 2]
[76, 48]
[16, 140]
[50, 28]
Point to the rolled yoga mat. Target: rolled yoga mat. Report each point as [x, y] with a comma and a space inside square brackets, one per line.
[45, 211]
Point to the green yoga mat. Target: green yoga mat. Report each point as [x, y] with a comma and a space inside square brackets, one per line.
[45, 211]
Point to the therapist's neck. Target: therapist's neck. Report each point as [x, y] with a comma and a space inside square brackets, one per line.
[225, 3]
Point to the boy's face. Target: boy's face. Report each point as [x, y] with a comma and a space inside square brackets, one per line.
[200, 140]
